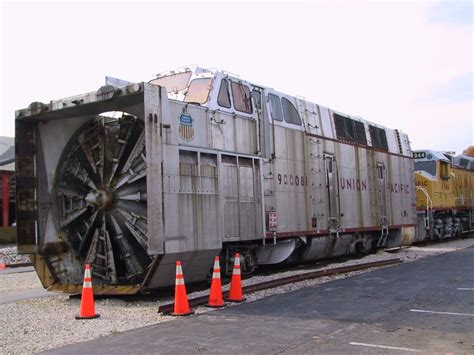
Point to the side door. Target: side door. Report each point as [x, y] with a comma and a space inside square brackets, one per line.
[330, 169]
[382, 190]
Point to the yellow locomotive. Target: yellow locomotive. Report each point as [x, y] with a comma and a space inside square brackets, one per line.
[444, 194]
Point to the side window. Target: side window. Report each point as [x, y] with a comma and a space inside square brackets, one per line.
[290, 113]
[241, 97]
[380, 173]
[223, 99]
[329, 165]
[277, 114]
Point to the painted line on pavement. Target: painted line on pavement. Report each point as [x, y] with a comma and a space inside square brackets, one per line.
[465, 289]
[448, 313]
[384, 347]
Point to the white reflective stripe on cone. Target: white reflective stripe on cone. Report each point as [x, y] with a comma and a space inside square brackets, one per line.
[87, 284]
[179, 270]
[87, 274]
[237, 261]
[236, 272]
[216, 264]
[179, 281]
[216, 275]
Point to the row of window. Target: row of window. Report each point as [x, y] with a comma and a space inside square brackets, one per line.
[199, 89]
[281, 108]
[354, 131]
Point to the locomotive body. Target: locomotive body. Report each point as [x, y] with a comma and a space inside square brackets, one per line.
[197, 163]
[445, 193]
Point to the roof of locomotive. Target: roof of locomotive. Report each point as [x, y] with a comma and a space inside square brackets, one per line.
[461, 160]
[464, 161]
[429, 155]
[178, 90]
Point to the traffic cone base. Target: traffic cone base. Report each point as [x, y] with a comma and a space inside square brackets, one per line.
[216, 306]
[91, 317]
[236, 301]
[182, 314]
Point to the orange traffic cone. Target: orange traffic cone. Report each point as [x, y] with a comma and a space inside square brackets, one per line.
[87, 310]
[2, 264]
[215, 296]
[235, 291]
[181, 305]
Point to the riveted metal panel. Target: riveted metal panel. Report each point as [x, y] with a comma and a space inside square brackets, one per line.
[26, 186]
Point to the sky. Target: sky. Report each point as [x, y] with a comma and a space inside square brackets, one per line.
[403, 64]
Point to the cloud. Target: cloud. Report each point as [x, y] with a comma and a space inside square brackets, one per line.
[457, 13]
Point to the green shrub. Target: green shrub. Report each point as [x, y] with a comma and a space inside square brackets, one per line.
[7, 235]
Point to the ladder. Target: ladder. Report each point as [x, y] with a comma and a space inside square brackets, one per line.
[383, 236]
[333, 233]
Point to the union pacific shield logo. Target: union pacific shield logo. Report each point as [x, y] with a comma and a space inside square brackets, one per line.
[186, 130]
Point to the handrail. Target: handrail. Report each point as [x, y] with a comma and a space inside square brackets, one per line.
[428, 198]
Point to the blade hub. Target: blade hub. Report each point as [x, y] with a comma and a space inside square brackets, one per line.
[103, 199]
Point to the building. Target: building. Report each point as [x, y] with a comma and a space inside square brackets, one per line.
[7, 181]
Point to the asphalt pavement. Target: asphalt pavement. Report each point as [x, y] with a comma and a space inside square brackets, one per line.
[426, 306]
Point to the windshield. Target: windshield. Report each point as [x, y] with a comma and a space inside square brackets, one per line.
[428, 166]
[175, 82]
[198, 91]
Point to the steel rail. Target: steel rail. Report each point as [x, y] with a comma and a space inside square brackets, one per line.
[199, 301]
[14, 265]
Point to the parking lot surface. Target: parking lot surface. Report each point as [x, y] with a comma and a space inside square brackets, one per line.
[426, 306]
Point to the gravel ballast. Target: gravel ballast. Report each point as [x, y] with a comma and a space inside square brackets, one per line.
[38, 324]
[8, 255]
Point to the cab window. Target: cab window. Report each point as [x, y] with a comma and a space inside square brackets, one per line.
[428, 166]
[198, 91]
[241, 97]
[223, 99]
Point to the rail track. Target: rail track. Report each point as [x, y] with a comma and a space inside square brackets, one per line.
[199, 301]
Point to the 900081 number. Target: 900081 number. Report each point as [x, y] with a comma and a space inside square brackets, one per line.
[291, 179]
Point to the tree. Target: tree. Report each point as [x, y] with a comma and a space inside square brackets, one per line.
[469, 151]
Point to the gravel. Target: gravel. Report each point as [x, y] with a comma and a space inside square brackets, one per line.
[39, 324]
[8, 255]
